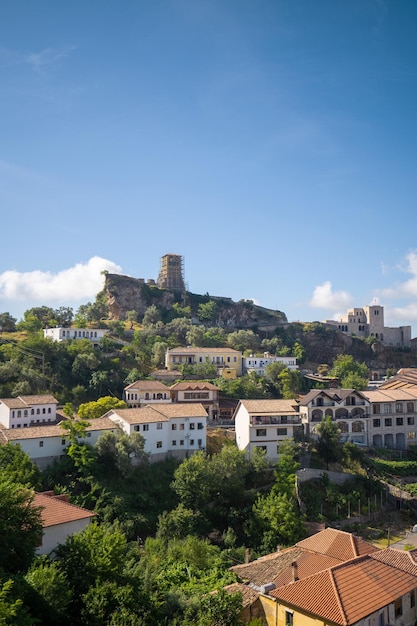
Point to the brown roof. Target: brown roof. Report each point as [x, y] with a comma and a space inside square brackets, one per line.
[322, 550]
[148, 385]
[347, 593]
[51, 430]
[270, 406]
[335, 394]
[160, 412]
[23, 402]
[403, 559]
[391, 394]
[56, 510]
[266, 569]
[405, 377]
[249, 595]
[337, 544]
[194, 386]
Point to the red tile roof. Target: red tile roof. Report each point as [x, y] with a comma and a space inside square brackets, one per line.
[56, 510]
[348, 592]
[337, 543]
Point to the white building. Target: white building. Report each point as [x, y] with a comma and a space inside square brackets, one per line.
[349, 408]
[264, 424]
[144, 392]
[393, 422]
[44, 444]
[170, 429]
[258, 364]
[369, 322]
[26, 411]
[60, 519]
[94, 335]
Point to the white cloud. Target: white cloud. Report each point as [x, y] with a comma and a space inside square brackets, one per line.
[325, 298]
[407, 288]
[83, 281]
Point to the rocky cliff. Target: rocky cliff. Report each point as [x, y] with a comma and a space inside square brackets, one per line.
[124, 293]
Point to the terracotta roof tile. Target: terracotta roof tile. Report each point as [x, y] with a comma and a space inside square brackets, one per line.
[27, 401]
[148, 385]
[55, 510]
[270, 406]
[267, 568]
[160, 412]
[182, 386]
[249, 595]
[348, 592]
[337, 543]
[51, 430]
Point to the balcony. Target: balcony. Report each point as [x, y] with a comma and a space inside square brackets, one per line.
[275, 420]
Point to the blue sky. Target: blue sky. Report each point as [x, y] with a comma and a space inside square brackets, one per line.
[272, 143]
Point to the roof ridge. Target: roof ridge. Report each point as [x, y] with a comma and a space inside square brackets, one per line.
[337, 595]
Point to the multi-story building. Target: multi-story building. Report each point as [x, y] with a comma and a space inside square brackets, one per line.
[264, 424]
[93, 335]
[26, 411]
[170, 429]
[45, 444]
[393, 421]
[222, 358]
[203, 393]
[368, 321]
[349, 408]
[257, 364]
[144, 392]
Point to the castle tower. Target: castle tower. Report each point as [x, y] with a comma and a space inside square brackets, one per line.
[171, 274]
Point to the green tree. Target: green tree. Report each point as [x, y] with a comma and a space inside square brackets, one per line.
[329, 446]
[20, 526]
[207, 311]
[51, 595]
[349, 372]
[243, 340]
[97, 408]
[7, 323]
[152, 316]
[17, 466]
[12, 610]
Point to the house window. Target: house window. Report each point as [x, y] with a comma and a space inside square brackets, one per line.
[43, 411]
[410, 407]
[173, 427]
[19, 414]
[32, 411]
[174, 442]
[136, 428]
[49, 409]
[159, 444]
[200, 426]
[181, 426]
[25, 413]
[387, 408]
[63, 442]
[376, 409]
[200, 442]
[146, 427]
[281, 432]
[289, 618]
[191, 442]
[410, 421]
[377, 423]
[37, 411]
[181, 442]
[388, 421]
[398, 607]
[261, 432]
[41, 444]
[192, 426]
[159, 426]
[88, 434]
[398, 407]
[399, 421]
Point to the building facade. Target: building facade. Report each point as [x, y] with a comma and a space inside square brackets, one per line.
[203, 393]
[222, 358]
[170, 430]
[171, 273]
[258, 364]
[94, 335]
[264, 424]
[368, 321]
[144, 392]
[26, 411]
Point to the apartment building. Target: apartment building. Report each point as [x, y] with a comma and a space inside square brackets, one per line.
[222, 358]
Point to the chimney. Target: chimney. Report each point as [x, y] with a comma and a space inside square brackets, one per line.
[247, 555]
[294, 568]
